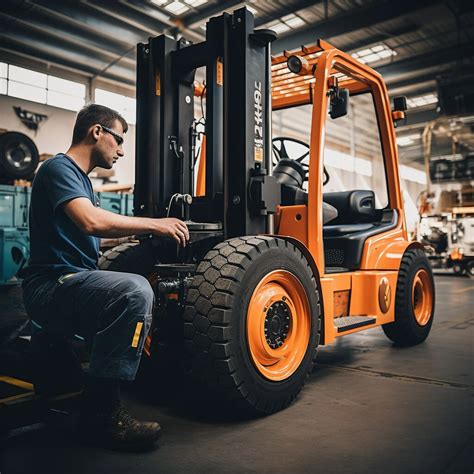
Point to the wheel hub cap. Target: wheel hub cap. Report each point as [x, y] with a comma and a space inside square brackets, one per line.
[277, 324]
[18, 155]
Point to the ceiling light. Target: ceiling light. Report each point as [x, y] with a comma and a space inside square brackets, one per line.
[295, 22]
[404, 141]
[385, 53]
[195, 3]
[407, 140]
[374, 53]
[292, 21]
[177, 8]
[370, 58]
[363, 52]
[159, 2]
[279, 27]
[422, 100]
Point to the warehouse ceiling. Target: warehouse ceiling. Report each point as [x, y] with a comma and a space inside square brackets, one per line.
[96, 39]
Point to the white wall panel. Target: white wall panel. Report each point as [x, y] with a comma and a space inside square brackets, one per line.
[54, 134]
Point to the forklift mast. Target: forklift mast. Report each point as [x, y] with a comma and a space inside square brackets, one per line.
[239, 190]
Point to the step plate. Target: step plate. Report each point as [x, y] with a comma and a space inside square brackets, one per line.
[346, 323]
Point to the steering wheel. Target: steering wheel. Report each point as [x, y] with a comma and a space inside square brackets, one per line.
[280, 151]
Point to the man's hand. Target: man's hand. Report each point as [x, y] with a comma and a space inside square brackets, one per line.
[172, 227]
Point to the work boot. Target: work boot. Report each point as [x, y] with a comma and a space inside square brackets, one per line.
[116, 429]
[103, 420]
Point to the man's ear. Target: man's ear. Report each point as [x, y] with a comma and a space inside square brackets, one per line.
[95, 131]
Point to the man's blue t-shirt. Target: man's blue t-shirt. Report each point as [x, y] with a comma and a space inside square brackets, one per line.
[58, 246]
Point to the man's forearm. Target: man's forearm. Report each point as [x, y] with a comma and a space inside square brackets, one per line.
[110, 225]
[95, 221]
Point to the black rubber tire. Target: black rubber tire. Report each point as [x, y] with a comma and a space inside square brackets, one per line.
[130, 257]
[215, 324]
[405, 330]
[24, 170]
[470, 268]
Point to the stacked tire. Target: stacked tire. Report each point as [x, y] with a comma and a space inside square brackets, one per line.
[19, 156]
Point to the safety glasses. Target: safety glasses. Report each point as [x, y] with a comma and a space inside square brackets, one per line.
[118, 138]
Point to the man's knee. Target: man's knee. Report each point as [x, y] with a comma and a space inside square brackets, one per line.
[138, 288]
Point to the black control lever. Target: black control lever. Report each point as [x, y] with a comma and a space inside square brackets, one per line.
[178, 152]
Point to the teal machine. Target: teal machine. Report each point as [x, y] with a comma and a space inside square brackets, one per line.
[116, 202]
[14, 237]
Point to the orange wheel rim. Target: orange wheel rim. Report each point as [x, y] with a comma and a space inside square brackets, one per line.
[422, 297]
[278, 325]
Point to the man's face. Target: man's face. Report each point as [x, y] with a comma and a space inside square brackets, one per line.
[108, 147]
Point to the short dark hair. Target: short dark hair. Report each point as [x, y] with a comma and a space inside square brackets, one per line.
[92, 114]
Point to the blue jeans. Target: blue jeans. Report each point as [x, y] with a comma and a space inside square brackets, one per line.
[112, 311]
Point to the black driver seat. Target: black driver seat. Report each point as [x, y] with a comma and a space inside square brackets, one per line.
[357, 219]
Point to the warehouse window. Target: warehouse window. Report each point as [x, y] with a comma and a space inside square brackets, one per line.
[124, 105]
[39, 87]
[27, 84]
[3, 78]
[65, 94]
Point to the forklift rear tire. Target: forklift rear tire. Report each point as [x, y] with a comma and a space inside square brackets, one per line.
[130, 257]
[252, 324]
[414, 300]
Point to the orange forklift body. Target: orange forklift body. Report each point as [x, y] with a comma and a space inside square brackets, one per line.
[275, 266]
[371, 289]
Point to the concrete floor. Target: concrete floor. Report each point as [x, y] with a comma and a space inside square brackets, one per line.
[367, 408]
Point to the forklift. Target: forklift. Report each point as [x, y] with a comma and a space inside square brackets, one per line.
[275, 266]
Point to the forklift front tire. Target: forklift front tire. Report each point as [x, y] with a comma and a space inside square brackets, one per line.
[252, 323]
[414, 301]
[470, 268]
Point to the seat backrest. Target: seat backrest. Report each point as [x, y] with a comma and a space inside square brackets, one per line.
[354, 207]
[329, 213]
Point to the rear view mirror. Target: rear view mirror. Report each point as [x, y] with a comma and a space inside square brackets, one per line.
[339, 103]
[400, 103]
[399, 108]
